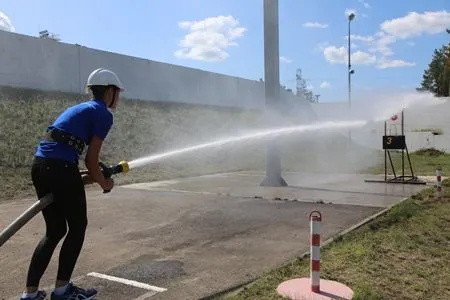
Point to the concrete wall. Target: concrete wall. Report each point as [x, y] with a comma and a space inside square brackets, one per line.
[30, 62]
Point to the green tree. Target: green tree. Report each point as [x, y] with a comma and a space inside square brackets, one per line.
[436, 78]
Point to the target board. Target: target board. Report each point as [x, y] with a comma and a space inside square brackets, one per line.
[392, 140]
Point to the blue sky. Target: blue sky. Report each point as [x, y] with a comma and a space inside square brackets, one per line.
[393, 42]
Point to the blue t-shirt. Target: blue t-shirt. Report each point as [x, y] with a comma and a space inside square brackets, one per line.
[83, 120]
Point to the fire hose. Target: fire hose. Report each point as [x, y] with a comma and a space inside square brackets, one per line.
[17, 224]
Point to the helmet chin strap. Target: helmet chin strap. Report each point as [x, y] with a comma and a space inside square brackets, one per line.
[114, 99]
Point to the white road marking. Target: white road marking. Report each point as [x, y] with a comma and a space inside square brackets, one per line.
[146, 296]
[128, 282]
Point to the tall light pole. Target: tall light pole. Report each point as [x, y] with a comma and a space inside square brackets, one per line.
[351, 16]
[272, 90]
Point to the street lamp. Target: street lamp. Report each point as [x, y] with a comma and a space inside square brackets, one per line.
[351, 16]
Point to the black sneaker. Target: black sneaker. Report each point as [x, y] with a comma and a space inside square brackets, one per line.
[75, 293]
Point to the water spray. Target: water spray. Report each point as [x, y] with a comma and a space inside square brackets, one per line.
[125, 167]
[251, 136]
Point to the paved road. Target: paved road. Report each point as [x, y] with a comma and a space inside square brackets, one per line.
[185, 239]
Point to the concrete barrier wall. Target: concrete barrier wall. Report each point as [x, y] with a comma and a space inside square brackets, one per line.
[31, 62]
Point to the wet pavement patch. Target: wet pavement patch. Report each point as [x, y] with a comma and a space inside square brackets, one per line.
[148, 270]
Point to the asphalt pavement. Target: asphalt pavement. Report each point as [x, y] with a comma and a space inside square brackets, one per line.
[192, 237]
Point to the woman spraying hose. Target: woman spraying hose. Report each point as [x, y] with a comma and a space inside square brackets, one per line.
[55, 170]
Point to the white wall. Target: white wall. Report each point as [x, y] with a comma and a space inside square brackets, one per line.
[416, 118]
[31, 62]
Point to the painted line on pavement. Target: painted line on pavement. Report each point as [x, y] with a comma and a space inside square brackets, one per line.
[146, 296]
[128, 282]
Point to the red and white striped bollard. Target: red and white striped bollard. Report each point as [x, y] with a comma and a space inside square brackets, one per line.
[312, 287]
[315, 218]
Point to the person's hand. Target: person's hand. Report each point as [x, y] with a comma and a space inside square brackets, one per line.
[87, 179]
[108, 184]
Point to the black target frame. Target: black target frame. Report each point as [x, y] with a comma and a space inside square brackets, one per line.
[397, 142]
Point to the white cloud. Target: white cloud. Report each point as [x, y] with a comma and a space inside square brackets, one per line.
[315, 25]
[208, 39]
[384, 63]
[414, 24]
[336, 55]
[363, 38]
[325, 85]
[382, 45]
[366, 5]
[5, 23]
[379, 45]
[285, 59]
[362, 58]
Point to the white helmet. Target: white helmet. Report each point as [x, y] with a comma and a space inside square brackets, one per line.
[104, 77]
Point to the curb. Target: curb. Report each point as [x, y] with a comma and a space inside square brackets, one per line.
[237, 288]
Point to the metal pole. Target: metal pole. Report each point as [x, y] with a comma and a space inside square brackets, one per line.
[385, 153]
[272, 89]
[403, 150]
[349, 75]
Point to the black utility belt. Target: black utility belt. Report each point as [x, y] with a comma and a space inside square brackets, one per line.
[57, 135]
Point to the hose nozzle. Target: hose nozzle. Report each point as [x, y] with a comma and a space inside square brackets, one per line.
[121, 167]
[124, 166]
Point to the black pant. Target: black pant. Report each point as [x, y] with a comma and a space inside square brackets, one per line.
[68, 209]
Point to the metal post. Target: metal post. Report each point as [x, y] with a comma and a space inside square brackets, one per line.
[349, 68]
[272, 89]
[403, 150]
[385, 153]
[350, 72]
